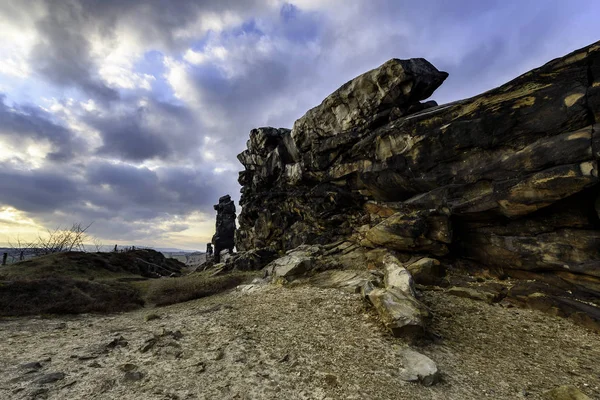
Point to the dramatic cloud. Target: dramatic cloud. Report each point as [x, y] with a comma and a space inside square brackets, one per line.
[33, 127]
[131, 113]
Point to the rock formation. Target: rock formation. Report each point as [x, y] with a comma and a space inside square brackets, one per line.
[506, 181]
[225, 229]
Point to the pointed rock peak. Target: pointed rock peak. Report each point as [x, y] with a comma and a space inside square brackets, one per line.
[390, 91]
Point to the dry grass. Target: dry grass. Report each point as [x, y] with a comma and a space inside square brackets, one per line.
[168, 291]
[75, 282]
[65, 296]
[98, 266]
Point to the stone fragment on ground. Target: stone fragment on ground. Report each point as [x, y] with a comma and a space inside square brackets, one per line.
[399, 309]
[397, 276]
[350, 280]
[473, 294]
[50, 378]
[426, 271]
[294, 263]
[417, 367]
[403, 315]
[566, 392]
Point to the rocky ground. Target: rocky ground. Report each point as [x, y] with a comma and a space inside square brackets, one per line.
[273, 342]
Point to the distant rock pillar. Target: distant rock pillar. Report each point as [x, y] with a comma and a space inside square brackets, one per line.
[225, 227]
[4, 257]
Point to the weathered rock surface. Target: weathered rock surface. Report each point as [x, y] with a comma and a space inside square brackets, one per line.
[508, 179]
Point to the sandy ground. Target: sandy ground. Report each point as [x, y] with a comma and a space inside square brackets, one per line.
[292, 343]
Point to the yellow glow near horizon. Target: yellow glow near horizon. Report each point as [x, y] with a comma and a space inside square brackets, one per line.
[15, 226]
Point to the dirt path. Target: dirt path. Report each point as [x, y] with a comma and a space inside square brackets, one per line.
[299, 343]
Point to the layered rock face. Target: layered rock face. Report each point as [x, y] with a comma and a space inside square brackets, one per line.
[507, 179]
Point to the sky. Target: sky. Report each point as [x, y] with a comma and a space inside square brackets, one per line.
[130, 114]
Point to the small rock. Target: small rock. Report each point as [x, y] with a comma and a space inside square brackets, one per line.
[128, 367]
[367, 288]
[95, 365]
[472, 294]
[148, 345]
[39, 392]
[86, 357]
[133, 376]
[177, 335]
[418, 367]
[117, 342]
[331, 380]
[566, 392]
[200, 367]
[31, 366]
[217, 355]
[50, 378]
[152, 317]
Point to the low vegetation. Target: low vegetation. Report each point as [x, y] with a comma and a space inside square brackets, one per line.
[78, 282]
[162, 292]
[129, 265]
[64, 295]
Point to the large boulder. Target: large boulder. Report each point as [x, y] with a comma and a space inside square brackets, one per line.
[507, 179]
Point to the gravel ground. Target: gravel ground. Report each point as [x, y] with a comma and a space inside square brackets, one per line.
[291, 343]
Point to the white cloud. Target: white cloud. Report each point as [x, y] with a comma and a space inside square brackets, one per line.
[209, 21]
[177, 76]
[210, 54]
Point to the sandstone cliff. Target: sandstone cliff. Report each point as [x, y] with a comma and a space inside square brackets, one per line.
[506, 181]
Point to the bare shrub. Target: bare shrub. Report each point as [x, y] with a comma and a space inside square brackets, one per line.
[62, 240]
[59, 240]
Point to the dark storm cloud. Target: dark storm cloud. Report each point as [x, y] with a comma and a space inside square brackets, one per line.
[62, 54]
[171, 190]
[37, 191]
[154, 130]
[18, 123]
